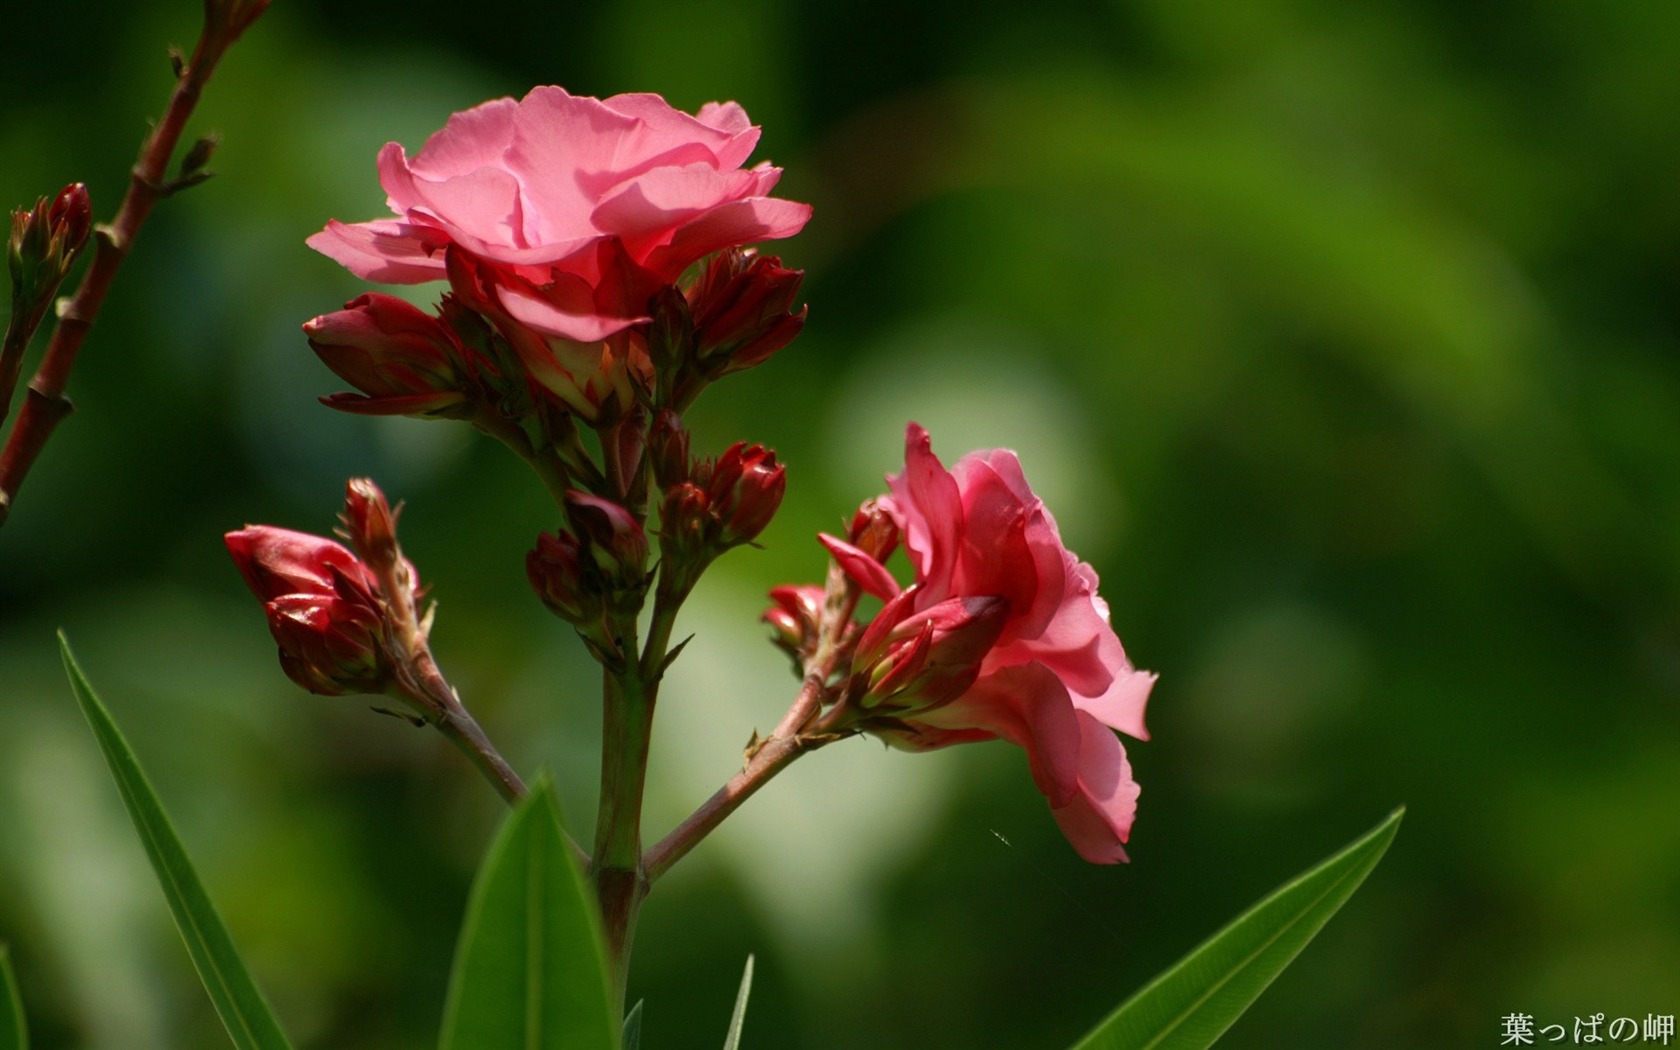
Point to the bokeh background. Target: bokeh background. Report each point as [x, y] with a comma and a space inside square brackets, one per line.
[1342, 339]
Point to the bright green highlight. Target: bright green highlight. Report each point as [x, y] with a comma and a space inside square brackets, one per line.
[736, 1019]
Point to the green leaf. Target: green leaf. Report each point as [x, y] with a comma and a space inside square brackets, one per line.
[14, 1034]
[1192, 1003]
[247, 1017]
[530, 972]
[633, 1027]
[733, 1040]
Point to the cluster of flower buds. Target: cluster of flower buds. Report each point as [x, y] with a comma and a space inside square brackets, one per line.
[593, 572]
[908, 662]
[736, 314]
[721, 503]
[913, 656]
[44, 242]
[331, 611]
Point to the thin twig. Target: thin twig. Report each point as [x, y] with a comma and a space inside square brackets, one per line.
[46, 406]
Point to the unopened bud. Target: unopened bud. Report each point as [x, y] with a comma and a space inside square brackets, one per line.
[556, 571]
[45, 241]
[685, 525]
[277, 562]
[742, 307]
[861, 567]
[930, 658]
[670, 336]
[795, 618]
[668, 449]
[745, 489]
[613, 542]
[328, 645]
[322, 607]
[873, 531]
[404, 361]
[369, 523]
[71, 217]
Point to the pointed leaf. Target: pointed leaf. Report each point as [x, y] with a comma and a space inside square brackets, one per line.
[530, 972]
[633, 1027]
[14, 1034]
[1192, 1003]
[733, 1040]
[245, 1014]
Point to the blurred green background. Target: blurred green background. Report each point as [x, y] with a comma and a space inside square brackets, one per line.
[1342, 339]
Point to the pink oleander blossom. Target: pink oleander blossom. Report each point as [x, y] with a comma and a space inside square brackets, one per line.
[571, 204]
[1056, 681]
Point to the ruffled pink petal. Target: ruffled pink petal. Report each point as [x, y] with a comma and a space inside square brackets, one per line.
[384, 250]
[469, 140]
[663, 199]
[730, 118]
[568, 310]
[740, 222]
[725, 132]
[931, 504]
[1097, 820]
[1029, 707]
[1122, 705]
[865, 571]
[996, 557]
[559, 140]
[481, 210]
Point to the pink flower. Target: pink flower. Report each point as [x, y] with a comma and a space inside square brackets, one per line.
[573, 204]
[1056, 680]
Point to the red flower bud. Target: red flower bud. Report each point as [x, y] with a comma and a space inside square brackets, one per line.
[278, 562]
[404, 361]
[668, 449]
[929, 658]
[612, 541]
[557, 574]
[322, 608]
[873, 531]
[328, 645]
[369, 523]
[742, 307]
[796, 617]
[45, 240]
[685, 526]
[745, 489]
[71, 218]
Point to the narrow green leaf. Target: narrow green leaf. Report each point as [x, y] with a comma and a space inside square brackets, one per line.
[633, 1027]
[530, 972]
[14, 1034]
[733, 1040]
[247, 1017]
[1192, 1003]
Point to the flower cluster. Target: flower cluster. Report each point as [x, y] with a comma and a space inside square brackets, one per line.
[562, 224]
[1001, 636]
[602, 272]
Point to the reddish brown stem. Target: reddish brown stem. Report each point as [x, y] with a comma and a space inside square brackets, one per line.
[46, 406]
